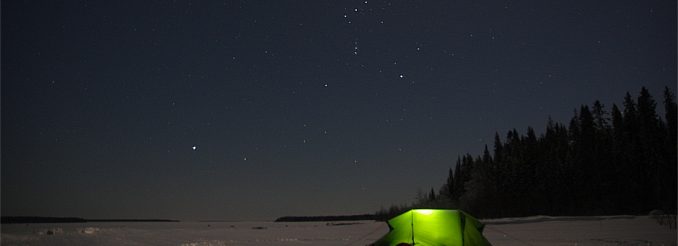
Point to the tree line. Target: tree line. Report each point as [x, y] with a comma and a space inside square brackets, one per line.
[616, 161]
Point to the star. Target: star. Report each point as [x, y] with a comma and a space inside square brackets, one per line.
[194, 148]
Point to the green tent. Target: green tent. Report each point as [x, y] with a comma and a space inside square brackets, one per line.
[434, 227]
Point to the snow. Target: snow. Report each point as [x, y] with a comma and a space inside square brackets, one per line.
[610, 230]
[195, 233]
[538, 230]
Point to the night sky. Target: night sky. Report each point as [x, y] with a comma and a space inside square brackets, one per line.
[246, 110]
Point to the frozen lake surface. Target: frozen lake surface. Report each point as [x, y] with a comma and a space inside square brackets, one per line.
[619, 230]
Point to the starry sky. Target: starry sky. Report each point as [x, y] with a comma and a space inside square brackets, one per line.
[250, 110]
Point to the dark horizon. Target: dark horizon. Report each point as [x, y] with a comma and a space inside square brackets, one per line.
[42, 219]
[250, 110]
[23, 219]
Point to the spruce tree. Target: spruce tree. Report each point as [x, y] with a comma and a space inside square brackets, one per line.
[670, 159]
[431, 195]
[458, 181]
[670, 113]
[650, 142]
[619, 171]
[497, 148]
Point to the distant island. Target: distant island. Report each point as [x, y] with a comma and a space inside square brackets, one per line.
[326, 218]
[37, 219]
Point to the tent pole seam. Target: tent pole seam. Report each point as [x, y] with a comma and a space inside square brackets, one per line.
[412, 224]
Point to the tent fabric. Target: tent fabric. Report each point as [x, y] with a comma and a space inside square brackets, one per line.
[434, 227]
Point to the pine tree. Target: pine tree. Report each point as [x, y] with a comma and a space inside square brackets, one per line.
[600, 116]
[458, 181]
[619, 170]
[448, 189]
[650, 142]
[670, 160]
[617, 122]
[487, 158]
[497, 148]
[432, 196]
[636, 194]
[670, 113]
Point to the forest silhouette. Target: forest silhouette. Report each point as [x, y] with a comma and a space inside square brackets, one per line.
[621, 161]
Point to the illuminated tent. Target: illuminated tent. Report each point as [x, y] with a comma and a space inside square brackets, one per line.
[434, 227]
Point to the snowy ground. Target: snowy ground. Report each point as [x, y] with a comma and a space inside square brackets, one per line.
[620, 230]
[614, 230]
